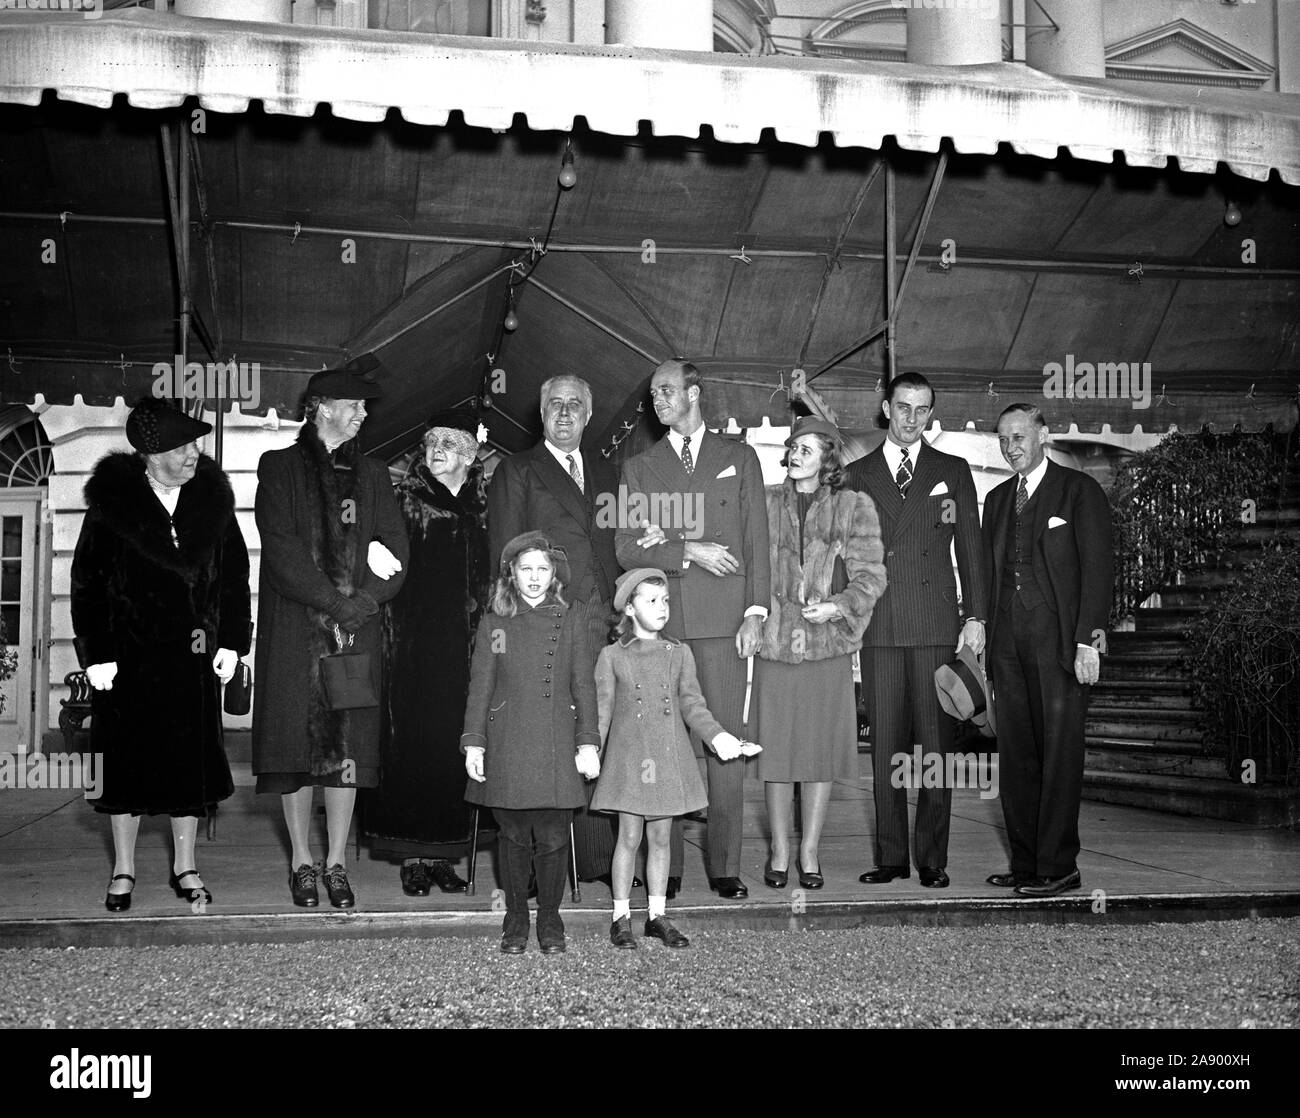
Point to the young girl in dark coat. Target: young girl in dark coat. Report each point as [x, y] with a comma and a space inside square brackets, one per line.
[530, 731]
[645, 687]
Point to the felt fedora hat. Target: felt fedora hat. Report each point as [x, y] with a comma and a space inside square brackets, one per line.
[964, 691]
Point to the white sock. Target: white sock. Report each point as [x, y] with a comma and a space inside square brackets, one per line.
[622, 909]
[657, 906]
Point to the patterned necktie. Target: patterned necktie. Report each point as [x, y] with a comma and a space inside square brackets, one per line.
[904, 476]
[1022, 497]
[688, 463]
[573, 470]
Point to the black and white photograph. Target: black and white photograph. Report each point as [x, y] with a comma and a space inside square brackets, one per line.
[585, 515]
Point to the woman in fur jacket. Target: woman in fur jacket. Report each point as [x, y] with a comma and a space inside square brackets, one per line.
[160, 606]
[827, 575]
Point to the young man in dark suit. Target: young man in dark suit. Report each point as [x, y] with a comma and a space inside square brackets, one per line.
[926, 502]
[557, 489]
[1047, 543]
[697, 512]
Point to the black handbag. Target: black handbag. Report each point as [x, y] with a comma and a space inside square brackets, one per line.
[239, 691]
[348, 677]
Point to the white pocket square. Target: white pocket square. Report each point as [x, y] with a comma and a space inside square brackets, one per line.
[730, 471]
[1055, 522]
[939, 490]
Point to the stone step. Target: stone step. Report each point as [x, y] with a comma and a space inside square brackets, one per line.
[1163, 726]
[1143, 668]
[1143, 694]
[1138, 711]
[1262, 805]
[1167, 618]
[1159, 763]
[1196, 598]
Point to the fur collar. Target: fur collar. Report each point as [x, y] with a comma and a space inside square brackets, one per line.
[331, 482]
[118, 493]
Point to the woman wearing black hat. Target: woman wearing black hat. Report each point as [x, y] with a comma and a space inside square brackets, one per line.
[827, 574]
[333, 551]
[160, 605]
[418, 814]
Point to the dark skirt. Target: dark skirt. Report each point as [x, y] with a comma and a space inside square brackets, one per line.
[807, 720]
[365, 776]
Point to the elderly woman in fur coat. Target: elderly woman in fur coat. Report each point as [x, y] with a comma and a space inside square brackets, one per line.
[827, 575]
[334, 549]
[160, 606]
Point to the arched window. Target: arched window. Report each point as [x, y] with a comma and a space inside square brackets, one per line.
[25, 455]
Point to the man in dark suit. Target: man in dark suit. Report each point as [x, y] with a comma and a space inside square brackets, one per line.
[695, 509]
[926, 502]
[1047, 544]
[556, 489]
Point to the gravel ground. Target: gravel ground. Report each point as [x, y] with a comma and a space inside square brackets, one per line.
[1230, 974]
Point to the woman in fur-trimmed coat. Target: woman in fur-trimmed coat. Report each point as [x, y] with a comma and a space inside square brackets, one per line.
[828, 572]
[330, 534]
[160, 606]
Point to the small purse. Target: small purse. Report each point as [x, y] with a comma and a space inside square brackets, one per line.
[239, 691]
[348, 677]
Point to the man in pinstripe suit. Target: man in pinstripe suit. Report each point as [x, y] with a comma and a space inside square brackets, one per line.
[926, 502]
[711, 540]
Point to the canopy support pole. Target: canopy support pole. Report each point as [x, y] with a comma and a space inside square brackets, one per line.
[176, 171]
[892, 316]
[209, 254]
[565, 302]
[891, 276]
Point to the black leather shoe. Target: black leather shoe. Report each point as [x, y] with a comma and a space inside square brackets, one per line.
[661, 928]
[302, 884]
[674, 887]
[444, 877]
[620, 933]
[776, 879]
[550, 936]
[192, 893]
[879, 875]
[809, 880]
[933, 877]
[119, 902]
[1010, 880]
[513, 942]
[336, 885]
[416, 881]
[730, 887]
[1050, 886]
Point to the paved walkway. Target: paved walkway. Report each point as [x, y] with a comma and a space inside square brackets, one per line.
[56, 854]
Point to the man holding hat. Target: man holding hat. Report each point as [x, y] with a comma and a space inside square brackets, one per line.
[927, 504]
[334, 549]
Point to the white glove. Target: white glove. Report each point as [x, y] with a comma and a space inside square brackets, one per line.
[726, 746]
[750, 748]
[474, 763]
[224, 662]
[382, 562]
[101, 676]
[588, 761]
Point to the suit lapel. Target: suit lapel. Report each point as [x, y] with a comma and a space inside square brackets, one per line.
[1046, 498]
[889, 502]
[559, 483]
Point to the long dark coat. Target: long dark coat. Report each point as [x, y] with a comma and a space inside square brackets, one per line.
[420, 799]
[317, 513]
[160, 610]
[531, 705]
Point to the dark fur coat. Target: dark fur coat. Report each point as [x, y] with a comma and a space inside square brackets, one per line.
[159, 610]
[317, 515]
[428, 641]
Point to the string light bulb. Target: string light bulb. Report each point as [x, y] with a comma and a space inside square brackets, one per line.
[568, 176]
[511, 321]
[1231, 215]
